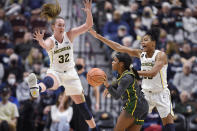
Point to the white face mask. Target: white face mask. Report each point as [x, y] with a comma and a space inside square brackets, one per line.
[11, 81]
[25, 79]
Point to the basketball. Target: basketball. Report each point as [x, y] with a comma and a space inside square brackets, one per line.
[95, 77]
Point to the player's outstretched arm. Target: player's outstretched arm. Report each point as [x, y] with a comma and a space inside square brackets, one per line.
[115, 46]
[86, 26]
[46, 44]
[161, 60]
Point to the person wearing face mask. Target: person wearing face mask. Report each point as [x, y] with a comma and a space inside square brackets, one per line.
[24, 48]
[111, 28]
[11, 82]
[8, 111]
[14, 67]
[22, 90]
[147, 17]
[121, 33]
[77, 122]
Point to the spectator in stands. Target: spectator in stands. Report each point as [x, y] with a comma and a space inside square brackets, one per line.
[2, 72]
[174, 66]
[77, 122]
[61, 117]
[46, 99]
[171, 49]
[35, 56]
[189, 25]
[13, 6]
[121, 33]
[186, 54]
[127, 41]
[162, 40]
[80, 66]
[5, 26]
[185, 80]
[184, 107]
[8, 111]
[191, 4]
[24, 48]
[5, 50]
[103, 14]
[14, 67]
[147, 17]
[130, 17]
[11, 83]
[22, 90]
[155, 23]
[111, 28]
[189, 22]
[26, 121]
[167, 20]
[139, 29]
[37, 68]
[123, 6]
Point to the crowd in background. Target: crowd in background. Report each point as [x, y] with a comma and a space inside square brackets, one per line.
[123, 21]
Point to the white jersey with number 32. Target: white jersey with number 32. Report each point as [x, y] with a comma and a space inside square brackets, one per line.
[158, 82]
[61, 55]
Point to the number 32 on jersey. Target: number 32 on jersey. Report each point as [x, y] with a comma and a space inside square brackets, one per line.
[63, 58]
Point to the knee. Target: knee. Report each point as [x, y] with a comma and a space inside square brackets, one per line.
[48, 82]
[168, 120]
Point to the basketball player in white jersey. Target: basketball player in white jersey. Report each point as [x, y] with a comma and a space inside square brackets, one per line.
[60, 50]
[154, 72]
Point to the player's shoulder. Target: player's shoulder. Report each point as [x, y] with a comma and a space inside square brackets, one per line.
[161, 55]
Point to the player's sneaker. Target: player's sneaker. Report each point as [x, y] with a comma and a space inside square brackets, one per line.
[33, 86]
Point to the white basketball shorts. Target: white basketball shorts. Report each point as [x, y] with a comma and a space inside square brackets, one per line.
[69, 79]
[160, 100]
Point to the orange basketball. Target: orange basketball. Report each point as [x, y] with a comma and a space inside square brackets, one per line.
[95, 77]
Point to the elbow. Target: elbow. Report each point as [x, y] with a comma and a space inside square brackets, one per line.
[89, 25]
[119, 48]
[153, 74]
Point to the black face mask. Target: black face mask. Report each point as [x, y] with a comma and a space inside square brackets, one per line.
[155, 26]
[78, 66]
[13, 62]
[147, 14]
[108, 11]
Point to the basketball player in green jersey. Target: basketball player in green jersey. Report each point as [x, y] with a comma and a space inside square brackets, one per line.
[154, 72]
[135, 106]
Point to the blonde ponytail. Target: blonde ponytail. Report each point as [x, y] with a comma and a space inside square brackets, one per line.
[51, 11]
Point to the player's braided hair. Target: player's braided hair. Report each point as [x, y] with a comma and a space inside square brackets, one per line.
[51, 12]
[125, 58]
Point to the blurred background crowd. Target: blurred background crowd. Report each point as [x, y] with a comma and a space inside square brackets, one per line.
[123, 21]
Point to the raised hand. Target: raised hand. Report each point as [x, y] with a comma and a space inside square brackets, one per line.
[38, 35]
[88, 5]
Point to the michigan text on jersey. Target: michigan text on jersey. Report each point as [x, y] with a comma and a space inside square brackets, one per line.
[62, 49]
